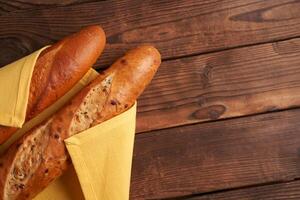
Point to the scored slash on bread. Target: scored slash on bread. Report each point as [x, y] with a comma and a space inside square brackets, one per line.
[58, 68]
[40, 156]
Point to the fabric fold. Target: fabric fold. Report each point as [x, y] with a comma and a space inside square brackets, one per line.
[101, 155]
[102, 159]
[15, 81]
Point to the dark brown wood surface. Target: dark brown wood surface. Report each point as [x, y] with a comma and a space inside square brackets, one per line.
[215, 156]
[17, 5]
[280, 191]
[177, 28]
[221, 118]
[230, 83]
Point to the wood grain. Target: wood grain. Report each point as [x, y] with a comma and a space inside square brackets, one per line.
[16, 5]
[281, 191]
[177, 28]
[218, 155]
[226, 84]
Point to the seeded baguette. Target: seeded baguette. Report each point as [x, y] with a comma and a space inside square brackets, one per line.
[58, 68]
[40, 156]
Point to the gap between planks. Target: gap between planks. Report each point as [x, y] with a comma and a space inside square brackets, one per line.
[177, 29]
[226, 192]
[209, 157]
[233, 83]
[15, 6]
[226, 49]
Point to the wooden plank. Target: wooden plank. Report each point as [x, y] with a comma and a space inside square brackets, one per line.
[281, 191]
[12, 6]
[231, 83]
[177, 28]
[216, 156]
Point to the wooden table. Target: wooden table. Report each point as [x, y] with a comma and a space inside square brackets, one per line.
[220, 119]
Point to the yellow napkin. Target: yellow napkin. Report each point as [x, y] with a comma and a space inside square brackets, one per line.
[101, 155]
[14, 89]
[89, 76]
[102, 158]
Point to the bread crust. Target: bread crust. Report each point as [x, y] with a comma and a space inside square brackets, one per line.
[58, 68]
[40, 156]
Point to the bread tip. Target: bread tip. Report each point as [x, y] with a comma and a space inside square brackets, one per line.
[94, 28]
[96, 35]
[151, 49]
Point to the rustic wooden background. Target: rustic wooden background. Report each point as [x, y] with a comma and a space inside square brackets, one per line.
[220, 119]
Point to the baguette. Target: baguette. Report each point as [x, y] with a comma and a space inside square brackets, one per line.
[40, 156]
[58, 68]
